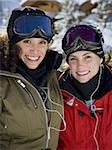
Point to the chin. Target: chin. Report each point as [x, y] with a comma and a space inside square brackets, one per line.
[83, 80]
[32, 67]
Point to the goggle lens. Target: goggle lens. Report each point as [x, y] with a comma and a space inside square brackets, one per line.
[82, 31]
[25, 25]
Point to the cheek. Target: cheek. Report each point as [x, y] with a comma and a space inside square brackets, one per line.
[43, 51]
[72, 65]
[95, 64]
[94, 68]
[21, 55]
[73, 68]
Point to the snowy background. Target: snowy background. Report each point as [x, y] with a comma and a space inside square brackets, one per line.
[70, 14]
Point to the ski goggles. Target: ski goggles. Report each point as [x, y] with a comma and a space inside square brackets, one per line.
[26, 25]
[83, 37]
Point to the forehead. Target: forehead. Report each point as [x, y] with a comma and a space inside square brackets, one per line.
[33, 39]
[82, 53]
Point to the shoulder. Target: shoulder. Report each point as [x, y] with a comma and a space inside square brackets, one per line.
[4, 76]
[7, 74]
[7, 78]
[4, 83]
[8, 83]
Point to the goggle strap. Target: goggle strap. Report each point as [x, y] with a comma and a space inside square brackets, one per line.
[37, 31]
[80, 40]
[79, 43]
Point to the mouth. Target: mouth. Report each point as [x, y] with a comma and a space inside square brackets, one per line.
[32, 58]
[82, 73]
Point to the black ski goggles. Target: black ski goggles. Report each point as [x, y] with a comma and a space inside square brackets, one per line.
[27, 25]
[81, 36]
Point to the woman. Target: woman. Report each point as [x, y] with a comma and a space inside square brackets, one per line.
[30, 100]
[87, 91]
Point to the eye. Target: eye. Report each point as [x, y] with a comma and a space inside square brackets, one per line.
[44, 42]
[27, 41]
[88, 58]
[72, 58]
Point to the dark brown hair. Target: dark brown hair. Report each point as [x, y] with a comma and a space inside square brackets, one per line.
[13, 57]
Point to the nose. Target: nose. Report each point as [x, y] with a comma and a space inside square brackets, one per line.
[34, 47]
[80, 64]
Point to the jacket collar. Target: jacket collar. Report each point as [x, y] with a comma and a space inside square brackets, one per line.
[105, 84]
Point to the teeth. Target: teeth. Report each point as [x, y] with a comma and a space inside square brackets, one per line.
[82, 73]
[32, 58]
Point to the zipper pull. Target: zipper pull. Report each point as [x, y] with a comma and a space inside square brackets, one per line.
[30, 94]
[21, 83]
[49, 133]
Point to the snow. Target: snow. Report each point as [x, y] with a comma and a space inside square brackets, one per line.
[69, 14]
[93, 19]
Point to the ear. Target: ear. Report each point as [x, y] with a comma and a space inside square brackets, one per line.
[50, 43]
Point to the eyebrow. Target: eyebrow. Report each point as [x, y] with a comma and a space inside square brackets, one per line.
[87, 53]
[82, 55]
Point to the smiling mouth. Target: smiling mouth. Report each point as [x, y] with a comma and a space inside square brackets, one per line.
[82, 73]
[32, 58]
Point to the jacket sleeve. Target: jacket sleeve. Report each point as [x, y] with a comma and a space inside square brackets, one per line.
[0, 106]
[0, 97]
[4, 86]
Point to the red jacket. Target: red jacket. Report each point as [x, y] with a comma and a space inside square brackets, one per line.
[86, 129]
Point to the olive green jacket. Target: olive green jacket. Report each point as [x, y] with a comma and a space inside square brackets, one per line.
[25, 124]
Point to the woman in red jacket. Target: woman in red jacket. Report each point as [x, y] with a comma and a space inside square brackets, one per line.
[87, 91]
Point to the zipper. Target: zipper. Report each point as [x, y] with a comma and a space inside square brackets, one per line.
[35, 106]
[46, 119]
[32, 99]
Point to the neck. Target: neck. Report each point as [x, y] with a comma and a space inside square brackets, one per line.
[87, 89]
[35, 76]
